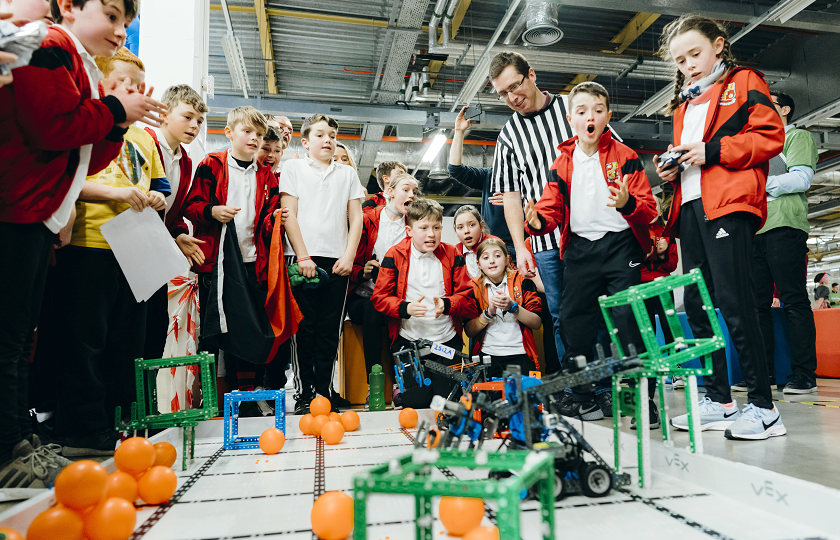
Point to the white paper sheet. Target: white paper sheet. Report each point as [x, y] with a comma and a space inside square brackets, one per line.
[147, 254]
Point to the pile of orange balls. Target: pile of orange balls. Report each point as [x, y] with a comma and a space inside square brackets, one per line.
[330, 426]
[95, 505]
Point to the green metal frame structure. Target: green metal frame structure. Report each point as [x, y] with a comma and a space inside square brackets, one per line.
[411, 475]
[660, 362]
[145, 379]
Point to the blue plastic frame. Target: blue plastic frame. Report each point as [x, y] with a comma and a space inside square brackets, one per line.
[232, 400]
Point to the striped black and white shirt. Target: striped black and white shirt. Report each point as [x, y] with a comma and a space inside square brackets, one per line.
[525, 151]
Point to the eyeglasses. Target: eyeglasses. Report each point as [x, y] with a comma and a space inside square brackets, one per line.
[286, 129]
[503, 95]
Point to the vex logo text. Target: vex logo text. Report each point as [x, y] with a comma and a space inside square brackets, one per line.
[767, 490]
[677, 462]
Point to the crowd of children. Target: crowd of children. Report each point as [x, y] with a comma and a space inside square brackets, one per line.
[379, 259]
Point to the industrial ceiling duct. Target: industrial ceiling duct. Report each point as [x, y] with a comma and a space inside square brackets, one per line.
[439, 167]
[541, 27]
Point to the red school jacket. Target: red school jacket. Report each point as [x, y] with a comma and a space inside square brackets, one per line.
[391, 284]
[174, 218]
[523, 292]
[46, 116]
[660, 267]
[617, 160]
[209, 188]
[742, 133]
[373, 202]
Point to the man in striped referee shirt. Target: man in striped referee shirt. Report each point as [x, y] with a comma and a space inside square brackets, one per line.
[525, 150]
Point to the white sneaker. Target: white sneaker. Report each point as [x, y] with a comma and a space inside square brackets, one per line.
[756, 424]
[713, 416]
[677, 382]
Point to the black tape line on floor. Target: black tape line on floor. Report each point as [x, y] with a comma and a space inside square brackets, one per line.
[147, 525]
[676, 515]
[489, 512]
[319, 474]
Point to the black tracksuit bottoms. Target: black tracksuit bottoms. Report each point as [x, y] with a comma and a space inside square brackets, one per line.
[779, 257]
[722, 249]
[319, 332]
[25, 250]
[594, 268]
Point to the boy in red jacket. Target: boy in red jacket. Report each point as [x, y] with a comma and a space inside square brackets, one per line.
[179, 127]
[600, 196]
[424, 287]
[233, 196]
[39, 183]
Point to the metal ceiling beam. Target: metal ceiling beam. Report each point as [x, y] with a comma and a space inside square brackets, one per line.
[379, 23]
[457, 19]
[741, 12]
[631, 31]
[402, 48]
[223, 104]
[266, 44]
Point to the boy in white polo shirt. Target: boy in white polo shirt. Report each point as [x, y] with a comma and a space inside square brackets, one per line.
[322, 197]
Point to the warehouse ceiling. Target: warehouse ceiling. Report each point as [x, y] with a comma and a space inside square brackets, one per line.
[355, 57]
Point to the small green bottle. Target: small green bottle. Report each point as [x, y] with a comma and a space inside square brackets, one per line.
[377, 389]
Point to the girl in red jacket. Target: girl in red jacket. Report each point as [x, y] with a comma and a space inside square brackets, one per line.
[471, 231]
[510, 311]
[382, 229]
[726, 130]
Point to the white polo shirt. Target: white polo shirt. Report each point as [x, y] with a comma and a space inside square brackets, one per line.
[503, 336]
[694, 123]
[390, 233]
[425, 279]
[322, 204]
[242, 189]
[171, 164]
[590, 216]
[472, 262]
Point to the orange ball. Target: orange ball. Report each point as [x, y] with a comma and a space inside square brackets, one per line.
[335, 416]
[135, 456]
[121, 485]
[408, 418]
[165, 455]
[9, 534]
[460, 515]
[332, 516]
[350, 420]
[320, 406]
[272, 441]
[483, 533]
[114, 519]
[56, 524]
[81, 485]
[332, 432]
[158, 485]
[305, 424]
[317, 423]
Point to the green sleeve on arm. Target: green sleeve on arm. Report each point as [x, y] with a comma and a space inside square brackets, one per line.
[800, 149]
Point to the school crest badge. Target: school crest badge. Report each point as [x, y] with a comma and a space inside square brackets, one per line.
[728, 95]
[612, 171]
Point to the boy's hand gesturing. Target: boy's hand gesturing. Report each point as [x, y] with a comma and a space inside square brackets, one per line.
[224, 214]
[189, 246]
[139, 106]
[619, 195]
[283, 214]
[417, 308]
[440, 305]
[369, 266]
[532, 216]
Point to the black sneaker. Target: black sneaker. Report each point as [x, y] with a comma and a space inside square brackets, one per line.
[800, 385]
[102, 443]
[302, 406]
[266, 407]
[605, 402]
[742, 386]
[339, 402]
[587, 410]
[653, 414]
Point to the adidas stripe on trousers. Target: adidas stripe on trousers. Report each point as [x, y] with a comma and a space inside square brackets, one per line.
[722, 250]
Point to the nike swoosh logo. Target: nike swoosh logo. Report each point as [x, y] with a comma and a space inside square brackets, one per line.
[730, 414]
[768, 426]
[632, 265]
